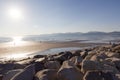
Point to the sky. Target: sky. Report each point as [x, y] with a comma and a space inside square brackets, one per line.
[34, 17]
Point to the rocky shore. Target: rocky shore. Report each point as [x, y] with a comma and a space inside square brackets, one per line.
[98, 63]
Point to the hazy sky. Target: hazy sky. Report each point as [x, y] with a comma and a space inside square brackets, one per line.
[27, 17]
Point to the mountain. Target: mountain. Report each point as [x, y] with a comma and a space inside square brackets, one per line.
[89, 36]
[75, 36]
[5, 39]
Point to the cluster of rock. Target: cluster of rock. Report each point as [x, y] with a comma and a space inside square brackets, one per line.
[98, 63]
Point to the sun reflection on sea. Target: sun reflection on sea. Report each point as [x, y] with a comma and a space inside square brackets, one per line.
[18, 41]
[16, 56]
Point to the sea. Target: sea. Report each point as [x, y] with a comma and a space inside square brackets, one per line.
[11, 41]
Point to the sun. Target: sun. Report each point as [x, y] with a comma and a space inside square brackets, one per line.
[15, 13]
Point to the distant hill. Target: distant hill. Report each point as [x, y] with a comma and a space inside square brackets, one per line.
[5, 39]
[89, 36]
[74, 36]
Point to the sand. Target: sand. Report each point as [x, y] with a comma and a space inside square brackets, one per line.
[27, 47]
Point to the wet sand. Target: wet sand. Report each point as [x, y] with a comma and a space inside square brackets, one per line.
[27, 47]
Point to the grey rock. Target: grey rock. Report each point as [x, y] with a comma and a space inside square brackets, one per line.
[69, 71]
[99, 75]
[52, 65]
[76, 60]
[90, 65]
[46, 74]
[26, 74]
[39, 66]
[63, 56]
[11, 74]
[4, 68]
[38, 56]
[1, 77]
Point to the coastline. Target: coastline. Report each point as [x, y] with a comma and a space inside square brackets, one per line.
[33, 47]
[99, 60]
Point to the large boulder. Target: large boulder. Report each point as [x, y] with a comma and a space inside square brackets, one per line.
[111, 69]
[39, 66]
[39, 56]
[69, 71]
[63, 56]
[76, 60]
[113, 54]
[107, 61]
[92, 75]
[116, 49]
[26, 74]
[1, 77]
[90, 65]
[27, 61]
[116, 62]
[4, 68]
[52, 65]
[99, 75]
[11, 74]
[99, 57]
[19, 66]
[46, 74]
[77, 53]
[84, 54]
[117, 76]
[90, 54]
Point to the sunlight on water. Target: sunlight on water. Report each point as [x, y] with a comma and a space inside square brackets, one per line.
[16, 56]
[17, 40]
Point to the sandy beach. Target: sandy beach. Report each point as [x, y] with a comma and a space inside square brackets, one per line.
[28, 47]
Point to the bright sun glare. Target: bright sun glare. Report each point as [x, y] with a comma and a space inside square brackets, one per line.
[15, 13]
[17, 40]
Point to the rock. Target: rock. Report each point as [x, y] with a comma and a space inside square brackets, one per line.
[69, 71]
[39, 66]
[76, 60]
[19, 66]
[1, 77]
[38, 56]
[90, 54]
[107, 62]
[90, 65]
[11, 74]
[63, 56]
[77, 53]
[99, 57]
[108, 76]
[40, 60]
[117, 76]
[99, 75]
[4, 68]
[26, 74]
[52, 65]
[27, 62]
[112, 54]
[116, 49]
[111, 69]
[84, 54]
[46, 74]
[92, 75]
[116, 62]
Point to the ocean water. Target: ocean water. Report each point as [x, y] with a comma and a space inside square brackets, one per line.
[56, 50]
[17, 40]
[20, 56]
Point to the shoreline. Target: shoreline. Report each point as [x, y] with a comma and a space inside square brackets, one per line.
[32, 47]
[83, 62]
